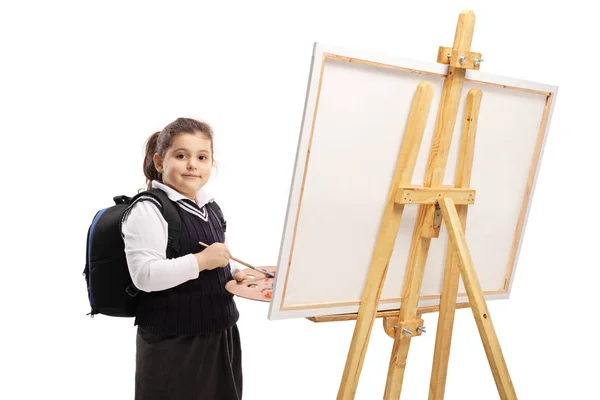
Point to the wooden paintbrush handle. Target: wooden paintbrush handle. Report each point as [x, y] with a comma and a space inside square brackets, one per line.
[267, 273]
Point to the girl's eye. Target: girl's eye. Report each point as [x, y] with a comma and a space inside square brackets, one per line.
[203, 158]
[180, 155]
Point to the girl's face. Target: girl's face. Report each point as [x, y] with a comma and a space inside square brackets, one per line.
[187, 164]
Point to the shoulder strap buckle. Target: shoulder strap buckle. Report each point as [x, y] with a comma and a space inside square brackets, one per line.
[122, 199]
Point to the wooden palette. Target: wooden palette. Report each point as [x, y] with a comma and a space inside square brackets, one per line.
[257, 286]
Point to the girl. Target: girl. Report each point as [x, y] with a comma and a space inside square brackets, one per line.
[188, 344]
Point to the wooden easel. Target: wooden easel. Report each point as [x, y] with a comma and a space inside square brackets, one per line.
[436, 203]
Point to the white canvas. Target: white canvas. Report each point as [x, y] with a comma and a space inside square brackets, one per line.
[356, 110]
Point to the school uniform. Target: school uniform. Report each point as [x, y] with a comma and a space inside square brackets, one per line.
[188, 343]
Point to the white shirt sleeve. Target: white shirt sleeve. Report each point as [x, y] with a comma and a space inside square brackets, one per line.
[145, 234]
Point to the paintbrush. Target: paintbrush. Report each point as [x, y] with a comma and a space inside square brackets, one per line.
[267, 273]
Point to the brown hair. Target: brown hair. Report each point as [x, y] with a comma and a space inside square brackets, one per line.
[160, 141]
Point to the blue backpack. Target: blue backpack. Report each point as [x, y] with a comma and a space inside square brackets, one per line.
[110, 288]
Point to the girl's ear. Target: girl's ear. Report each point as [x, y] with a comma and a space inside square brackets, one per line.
[158, 163]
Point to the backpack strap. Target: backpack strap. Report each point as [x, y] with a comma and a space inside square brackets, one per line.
[214, 207]
[169, 213]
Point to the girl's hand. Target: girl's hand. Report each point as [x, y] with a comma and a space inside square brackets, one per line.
[239, 275]
[214, 256]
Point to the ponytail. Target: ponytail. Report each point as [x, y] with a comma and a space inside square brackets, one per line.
[149, 170]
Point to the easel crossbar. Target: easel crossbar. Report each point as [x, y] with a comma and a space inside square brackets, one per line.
[433, 195]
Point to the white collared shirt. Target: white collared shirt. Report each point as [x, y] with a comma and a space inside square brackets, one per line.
[145, 233]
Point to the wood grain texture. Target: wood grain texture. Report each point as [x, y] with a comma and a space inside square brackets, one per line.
[433, 195]
[452, 57]
[385, 240]
[312, 132]
[390, 315]
[434, 176]
[481, 313]
[527, 195]
[451, 280]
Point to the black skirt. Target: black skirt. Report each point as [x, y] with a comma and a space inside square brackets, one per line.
[201, 367]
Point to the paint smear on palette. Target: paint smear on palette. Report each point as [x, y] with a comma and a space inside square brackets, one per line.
[267, 292]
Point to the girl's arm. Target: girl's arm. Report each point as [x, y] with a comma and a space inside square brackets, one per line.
[145, 234]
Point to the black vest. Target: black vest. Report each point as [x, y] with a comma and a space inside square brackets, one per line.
[200, 305]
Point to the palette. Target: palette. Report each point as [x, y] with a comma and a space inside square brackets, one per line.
[257, 286]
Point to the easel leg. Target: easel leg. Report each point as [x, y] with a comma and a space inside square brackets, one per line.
[477, 300]
[434, 176]
[410, 299]
[441, 355]
[385, 241]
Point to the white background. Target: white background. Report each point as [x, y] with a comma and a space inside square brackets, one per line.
[82, 87]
